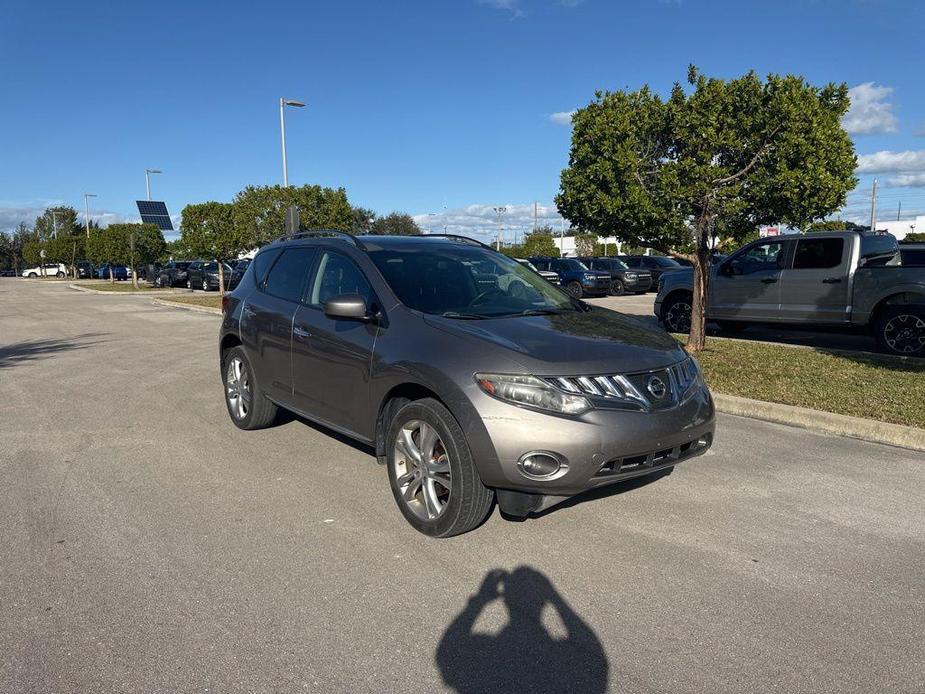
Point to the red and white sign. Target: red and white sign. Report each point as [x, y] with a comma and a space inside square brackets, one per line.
[769, 231]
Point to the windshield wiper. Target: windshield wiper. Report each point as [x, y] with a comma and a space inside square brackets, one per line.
[541, 312]
[462, 316]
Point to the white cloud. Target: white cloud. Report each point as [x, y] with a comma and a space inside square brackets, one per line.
[481, 221]
[870, 112]
[512, 6]
[11, 214]
[908, 180]
[562, 117]
[892, 162]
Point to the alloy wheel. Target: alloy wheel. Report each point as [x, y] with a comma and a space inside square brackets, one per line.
[422, 469]
[905, 333]
[616, 288]
[205, 286]
[678, 317]
[237, 388]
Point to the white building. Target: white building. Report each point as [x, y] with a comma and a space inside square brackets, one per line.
[899, 229]
[566, 245]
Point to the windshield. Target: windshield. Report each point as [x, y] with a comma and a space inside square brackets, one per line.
[662, 261]
[467, 282]
[613, 264]
[572, 265]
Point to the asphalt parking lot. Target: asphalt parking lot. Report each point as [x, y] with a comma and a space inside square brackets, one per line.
[149, 545]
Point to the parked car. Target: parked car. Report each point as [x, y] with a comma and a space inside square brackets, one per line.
[657, 265]
[547, 275]
[912, 254]
[622, 278]
[46, 270]
[150, 272]
[835, 279]
[173, 274]
[467, 394]
[119, 272]
[204, 275]
[85, 270]
[8, 272]
[574, 277]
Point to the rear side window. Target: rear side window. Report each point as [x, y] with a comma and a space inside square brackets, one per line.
[287, 276]
[262, 263]
[814, 254]
[913, 256]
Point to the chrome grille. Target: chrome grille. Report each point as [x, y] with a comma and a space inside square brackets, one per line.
[649, 390]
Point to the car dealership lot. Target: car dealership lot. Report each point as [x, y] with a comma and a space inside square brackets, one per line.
[150, 545]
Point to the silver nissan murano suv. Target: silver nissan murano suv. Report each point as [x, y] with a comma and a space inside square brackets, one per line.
[474, 378]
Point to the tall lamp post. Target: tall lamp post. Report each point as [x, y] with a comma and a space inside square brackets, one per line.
[283, 103]
[148, 173]
[87, 197]
[500, 211]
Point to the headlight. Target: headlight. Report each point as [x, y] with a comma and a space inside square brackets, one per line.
[530, 391]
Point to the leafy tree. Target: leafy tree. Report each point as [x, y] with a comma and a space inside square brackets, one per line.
[585, 243]
[395, 224]
[12, 243]
[126, 244]
[726, 155]
[62, 218]
[515, 251]
[208, 230]
[540, 243]
[67, 249]
[361, 221]
[176, 250]
[31, 252]
[260, 212]
[827, 225]
[915, 237]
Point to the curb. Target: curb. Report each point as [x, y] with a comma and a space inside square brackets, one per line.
[187, 307]
[825, 422]
[88, 290]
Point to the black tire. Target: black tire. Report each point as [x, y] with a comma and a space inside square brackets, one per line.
[59, 274]
[731, 326]
[574, 289]
[260, 412]
[676, 313]
[617, 288]
[901, 330]
[469, 501]
[158, 282]
[32, 275]
[189, 284]
[205, 285]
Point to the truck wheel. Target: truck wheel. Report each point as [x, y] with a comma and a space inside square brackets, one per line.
[248, 406]
[431, 472]
[676, 314]
[574, 289]
[901, 330]
[617, 288]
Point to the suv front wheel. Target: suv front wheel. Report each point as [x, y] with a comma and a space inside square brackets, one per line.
[431, 472]
[574, 289]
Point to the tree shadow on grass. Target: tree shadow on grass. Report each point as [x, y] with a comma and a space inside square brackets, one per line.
[544, 647]
[31, 350]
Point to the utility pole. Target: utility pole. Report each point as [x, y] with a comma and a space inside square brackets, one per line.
[500, 211]
[87, 197]
[899, 210]
[54, 224]
[534, 215]
[873, 207]
[148, 173]
[283, 103]
[561, 234]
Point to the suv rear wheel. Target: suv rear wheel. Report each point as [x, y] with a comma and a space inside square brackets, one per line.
[431, 472]
[901, 330]
[247, 405]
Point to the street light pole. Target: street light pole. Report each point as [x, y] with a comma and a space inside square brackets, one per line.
[87, 197]
[283, 103]
[500, 211]
[148, 173]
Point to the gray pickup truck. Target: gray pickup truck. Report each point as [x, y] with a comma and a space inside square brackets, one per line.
[848, 279]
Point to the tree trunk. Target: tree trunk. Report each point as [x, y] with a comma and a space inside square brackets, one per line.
[112, 279]
[221, 278]
[697, 339]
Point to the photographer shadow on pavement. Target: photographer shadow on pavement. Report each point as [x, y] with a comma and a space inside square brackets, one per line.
[523, 656]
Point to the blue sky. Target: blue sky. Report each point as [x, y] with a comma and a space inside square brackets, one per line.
[417, 105]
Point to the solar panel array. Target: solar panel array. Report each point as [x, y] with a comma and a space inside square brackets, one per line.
[154, 212]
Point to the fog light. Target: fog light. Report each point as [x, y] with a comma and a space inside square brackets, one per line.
[542, 465]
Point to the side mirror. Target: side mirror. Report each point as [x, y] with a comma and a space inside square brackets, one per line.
[352, 306]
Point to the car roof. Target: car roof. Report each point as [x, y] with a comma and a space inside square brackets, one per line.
[378, 243]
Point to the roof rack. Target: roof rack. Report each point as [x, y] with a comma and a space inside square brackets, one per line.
[466, 239]
[323, 233]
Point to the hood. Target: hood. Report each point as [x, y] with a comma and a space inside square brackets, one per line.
[599, 341]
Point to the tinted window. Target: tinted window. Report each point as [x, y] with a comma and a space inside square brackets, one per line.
[262, 263]
[337, 275]
[287, 276]
[568, 265]
[212, 267]
[913, 256]
[665, 262]
[818, 253]
[762, 257]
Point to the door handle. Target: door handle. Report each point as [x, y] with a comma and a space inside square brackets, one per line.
[769, 280]
[831, 280]
[301, 332]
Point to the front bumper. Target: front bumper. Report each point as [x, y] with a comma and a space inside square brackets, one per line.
[640, 284]
[600, 447]
[599, 286]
